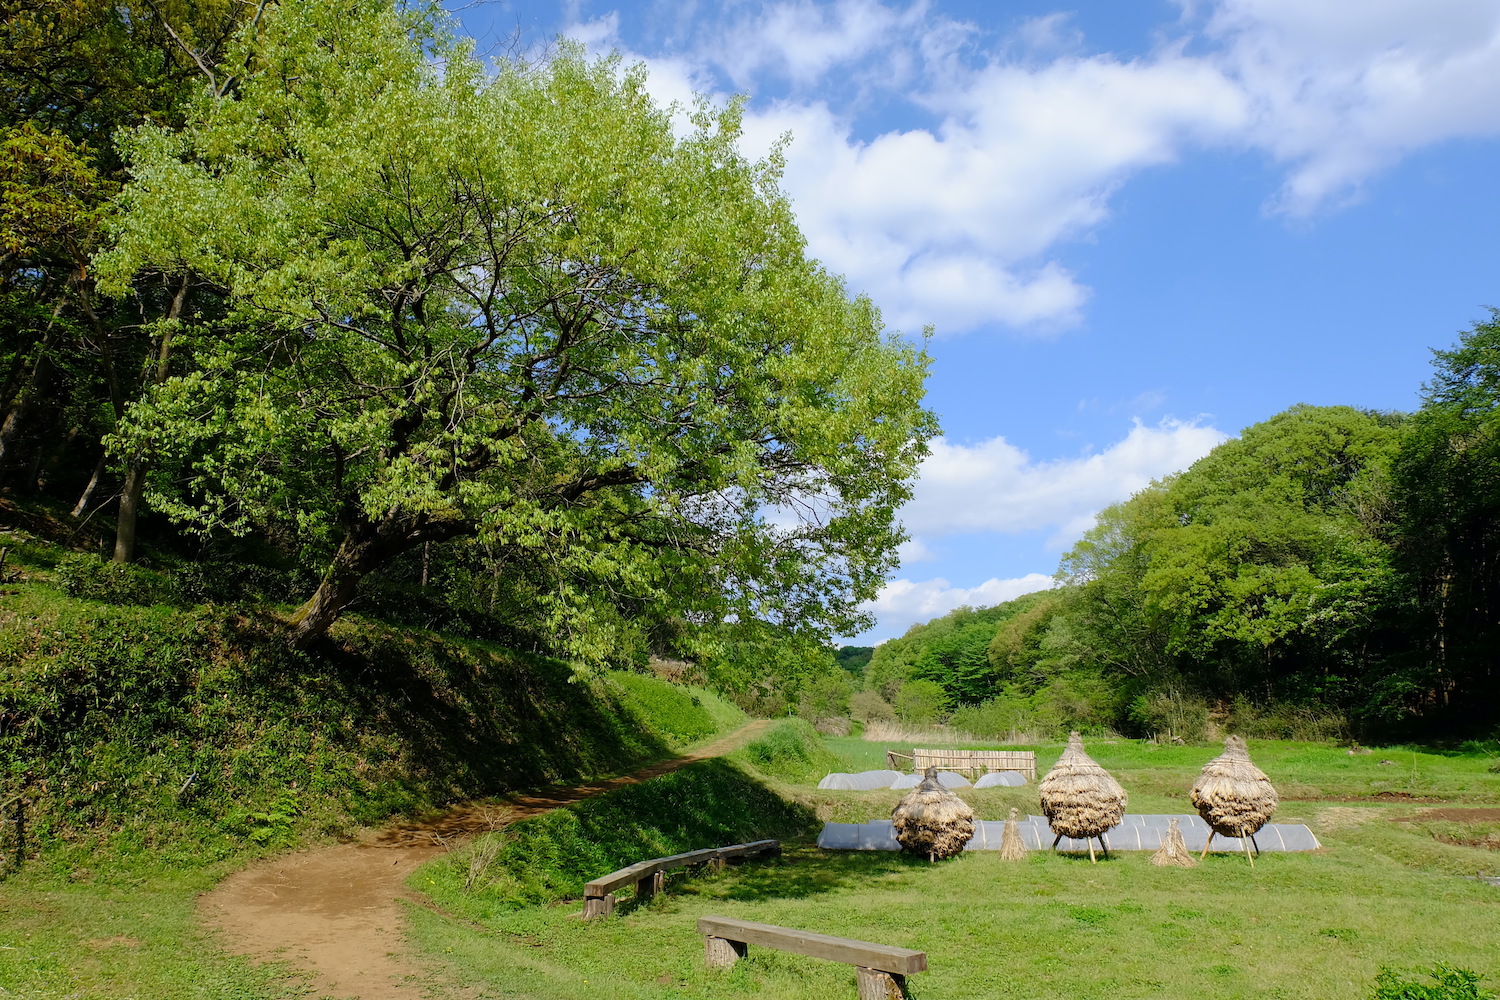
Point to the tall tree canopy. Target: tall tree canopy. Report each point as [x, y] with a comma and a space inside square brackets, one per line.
[1448, 481]
[516, 307]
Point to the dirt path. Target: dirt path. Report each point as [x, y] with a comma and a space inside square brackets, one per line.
[336, 912]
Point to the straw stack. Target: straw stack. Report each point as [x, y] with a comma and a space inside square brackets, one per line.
[931, 820]
[1234, 797]
[1079, 798]
[1173, 850]
[1012, 847]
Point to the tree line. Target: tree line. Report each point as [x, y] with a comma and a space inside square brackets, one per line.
[1331, 571]
[307, 291]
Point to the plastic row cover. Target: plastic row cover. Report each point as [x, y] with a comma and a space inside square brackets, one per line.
[1135, 833]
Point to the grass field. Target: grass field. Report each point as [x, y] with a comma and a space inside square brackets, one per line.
[1384, 892]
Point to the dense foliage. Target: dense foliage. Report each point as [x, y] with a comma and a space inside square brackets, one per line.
[1329, 572]
[499, 350]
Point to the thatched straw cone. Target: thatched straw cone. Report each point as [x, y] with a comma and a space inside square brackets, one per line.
[1234, 797]
[931, 820]
[1173, 850]
[1012, 847]
[1079, 798]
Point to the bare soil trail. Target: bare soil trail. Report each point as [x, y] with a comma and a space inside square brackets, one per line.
[336, 912]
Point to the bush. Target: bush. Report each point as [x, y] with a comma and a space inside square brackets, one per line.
[1171, 712]
[663, 708]
[1448, 983]
[921, 702]
[1285, 721]
[793, 751]
[868, 706]
[91, 578]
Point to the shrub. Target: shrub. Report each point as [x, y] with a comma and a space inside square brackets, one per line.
[1448, 983]
[91, 578]
[868, 706]
[663, 708]
[1171, 712]
[792, 751]
[921, 702]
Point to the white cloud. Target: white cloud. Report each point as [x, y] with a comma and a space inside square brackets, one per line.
[994, 486]
[951, 225]
[1341, 91]
[903, 603]
[1019, 144]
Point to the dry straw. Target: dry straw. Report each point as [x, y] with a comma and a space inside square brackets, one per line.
[1079, 798]
[931, 820]
[1173, 851]
[1234, 797]
[1012, 847]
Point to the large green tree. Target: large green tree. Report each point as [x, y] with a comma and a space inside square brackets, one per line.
[1260, 569]
[1447, 480]
[517, 307]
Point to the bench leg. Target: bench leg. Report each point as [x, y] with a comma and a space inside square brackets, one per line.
[598, 906]
[721, 953]
[650, 886]
[876, 985]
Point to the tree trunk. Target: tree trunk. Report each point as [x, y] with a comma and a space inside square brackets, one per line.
[88, 491]
[36, 390]
[130, 505]
[366, 547]
[135, 472]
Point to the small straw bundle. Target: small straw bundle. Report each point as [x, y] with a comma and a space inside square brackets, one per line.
[1173, 850]
[1079, 798]
[1234, 797]
[1012, 847]
[931, 820]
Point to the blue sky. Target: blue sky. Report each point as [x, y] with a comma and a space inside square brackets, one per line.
[1137, 227]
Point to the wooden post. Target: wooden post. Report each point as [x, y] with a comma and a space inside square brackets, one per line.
[598, 906]
[876, 985]
[649, 886]
[721, 953]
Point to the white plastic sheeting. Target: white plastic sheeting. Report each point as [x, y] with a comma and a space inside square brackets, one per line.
[862, 781]
[1135, 833]
[948, 779]
[999, 779]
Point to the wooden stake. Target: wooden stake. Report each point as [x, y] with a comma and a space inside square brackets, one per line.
[876, 985]
[721, 953]
[1206, 846]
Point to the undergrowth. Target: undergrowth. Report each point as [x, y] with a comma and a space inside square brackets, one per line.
[549, 857]
[793, 751]
[194, 733]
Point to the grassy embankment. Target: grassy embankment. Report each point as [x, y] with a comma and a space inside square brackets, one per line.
[159, 743]
[1385, 891]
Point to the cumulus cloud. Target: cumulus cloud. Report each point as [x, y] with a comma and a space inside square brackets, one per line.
[956, 219]
[951, 225]
[993, 486]
[1340, 91]
[903, 603]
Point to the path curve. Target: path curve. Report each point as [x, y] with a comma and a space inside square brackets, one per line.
[336, 912]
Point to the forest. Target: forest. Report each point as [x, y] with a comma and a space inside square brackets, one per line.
[1330, 573]
[305, 306]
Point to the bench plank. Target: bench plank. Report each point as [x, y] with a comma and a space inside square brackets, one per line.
[754, 847]
[886, 958]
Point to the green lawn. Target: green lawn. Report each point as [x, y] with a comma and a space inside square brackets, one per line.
[1315, 926]
[72, 935]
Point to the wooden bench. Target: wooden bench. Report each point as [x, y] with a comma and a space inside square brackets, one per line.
[649, 877]
[880, 970]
